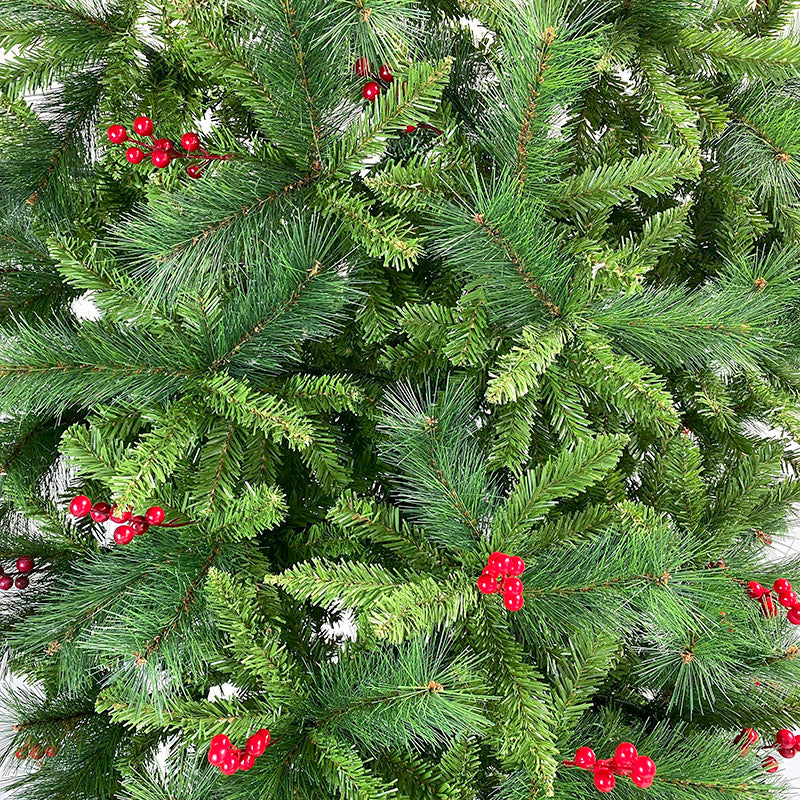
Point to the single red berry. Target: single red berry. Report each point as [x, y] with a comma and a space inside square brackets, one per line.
[512, 585]
[782, 585]
[5, 583]
[194, 171]
[167, 145]
[117, 134]
[25, 564]
[755, 589]
[120, 516]
[246, 762]
[787, 599]
[785, 738]
[517, 566]
[220, 744]
[746, 738]
[230, 765]
[642, 781]
[160, 158]
[190, 141]
[585, 757]
[21, 582]
[770, 764]
[123, 534]
[487, 584]
[143, 126]
[100, 512]
[258, 742]
[370, 91]
[21, 753]
[642, 768]
[362, 67]
[154, 515]
[217, 757]
[604, 781]
[134, 154]
[787, 752]
[385, 74]
[80, 506]
[499, 563]
[410, 128]
[794, 615]
[624, 755]
[139, 524]
[767, 606]
[513, 602]
[51, 751]
[36, 752]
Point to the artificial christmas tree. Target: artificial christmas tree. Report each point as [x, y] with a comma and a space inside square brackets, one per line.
[476, 295]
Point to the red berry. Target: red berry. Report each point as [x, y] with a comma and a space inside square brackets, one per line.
[604, 781]
[642, 781]
[642, 768]
[585, 757]
[220, 744]
[190, 141]
[80, 506]
[194, 171]
[384, 73]
[258, 742]
[143, 126]
[139, 525]
[767, 606]
[100, 512]
[154, 515]
[36, 752]
[370, 91]
[362, 67]
[120, 516]
[117, 134]
[517, 566]
[747, 738]
[785, 738]
[410, 128]
[230, 765]
[123, 534]
[51, 751]
[24, 564]
[5, 583]
[499, 563]
[246, 762]
[755, 589]
[166, 145]
[782, 585]
[787, 599]
[487, 584]
[134, 154]
[624, 755]
[512, 585]
[770, 764]
[21, 582]
[794, 615]
[21, 753]
[160, 158]
[787, 752]
[513, 602]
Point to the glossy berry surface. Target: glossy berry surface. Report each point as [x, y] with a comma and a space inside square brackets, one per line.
[120, 516]
[143, 126]
[123, 534]
[5, 583]
[362, 67]
[624, 755]
[487, 584]
[787, 599]
[258, 742]
[190, 141]
[230, 765]
[512, 585]
[139, 525]
[782, 585]
[164, 144]
[154, 515]
[246, 762]
[21, 582]
[160, 158]
[385, 74]
[135, 155]
[785, 738]
[370, 91]
[643, 767]
[24, 564]
[410, 128]
[517, 566]
[498, 563]
[100, 512]
[755, 589]
[80, 506]
[585, 757]
[787, 752]
[117, 134]
[604, 781]
[794, 615]
[513, 602]
[194, 171]
[770, 764]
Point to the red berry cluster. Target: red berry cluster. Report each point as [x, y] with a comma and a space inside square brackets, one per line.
[786, 742]
[372, 88]
[232, 759]
[35, 750]
[25, 564]
[502, 574]
[786, 597]
[132, 524]
[162, 151]
[626, 761]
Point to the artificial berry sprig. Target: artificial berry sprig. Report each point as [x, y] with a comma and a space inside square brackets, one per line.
[35, 750]
[163, 151]
[626, 762]
[20, 580]
[231, 759]
[501, 573]
[784, 595]
[132, 524]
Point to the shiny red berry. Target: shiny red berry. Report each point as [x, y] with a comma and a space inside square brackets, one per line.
[100, 512]
[585, 757]
[787, 752]
[167, 145]
[517, 566]
[80, 506]
[21, 582]
[513, 602]
[370, 91]
[755, 589]
[5, 582]
[642, 768]
[246, 762]
[604, 781]
[768, 608]
[785, 738]
[220, 744]
[794, 615]
[410, 128]
[160, 158]
[384, 73]
[21, 753]
[487, 584]
[139, 524]
[624, 755]
[123, 534]
[135, 155]
[154, 515]
[782, 585]
[362, 67]
[117, 134]
[143, 126]
[746, 738]
[787, 599]
[230, 765]
[190, 141]
[258, 742]
[770, 764]
[512, 585]
[499, 563]
[194, 171]
[120, 516]
[25, 564]
[642, 781]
